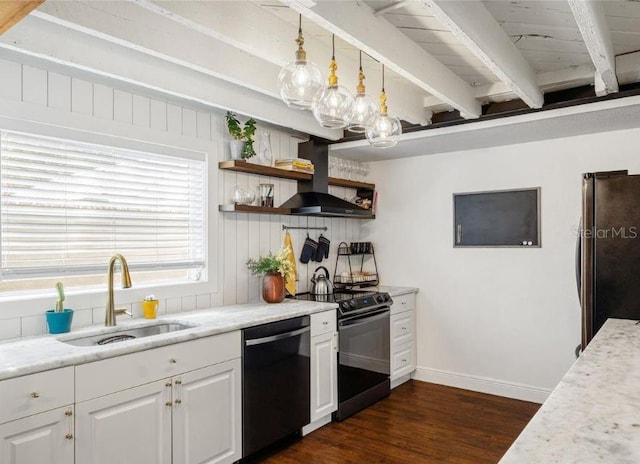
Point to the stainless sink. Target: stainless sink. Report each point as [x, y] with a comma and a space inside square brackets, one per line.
[125, 334]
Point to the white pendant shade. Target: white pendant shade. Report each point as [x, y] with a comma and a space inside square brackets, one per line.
[363, 111]
[332, 107]
[385, 131]
[299, 82]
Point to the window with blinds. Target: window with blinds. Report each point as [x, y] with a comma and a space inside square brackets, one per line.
[67, 207]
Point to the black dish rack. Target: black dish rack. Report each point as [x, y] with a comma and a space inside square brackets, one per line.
[356, 277]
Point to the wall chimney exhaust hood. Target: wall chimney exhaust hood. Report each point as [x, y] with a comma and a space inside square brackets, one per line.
[313, 198]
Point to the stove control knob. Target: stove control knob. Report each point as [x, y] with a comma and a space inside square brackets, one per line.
[379, 298]
[345, 305]
[352, 304]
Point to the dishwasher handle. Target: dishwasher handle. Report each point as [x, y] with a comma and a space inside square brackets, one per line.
[275, 338]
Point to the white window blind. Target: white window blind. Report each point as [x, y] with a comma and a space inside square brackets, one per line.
[67, 206]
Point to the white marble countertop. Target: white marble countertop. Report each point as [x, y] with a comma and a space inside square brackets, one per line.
[396, 291]
[35, 354]
[593, 415]
[29, 355]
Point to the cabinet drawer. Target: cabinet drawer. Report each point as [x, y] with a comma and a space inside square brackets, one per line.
[35, 393]
[403, 360]
[116, 374]
[402, 328]
[323, 322]
[403, 303]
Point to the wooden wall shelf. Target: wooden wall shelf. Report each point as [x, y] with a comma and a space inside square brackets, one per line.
[250, 168]
[252, 209]
[243, 166]
[337, 182]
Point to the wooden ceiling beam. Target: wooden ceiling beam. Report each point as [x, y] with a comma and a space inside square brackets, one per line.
[357, 24]
[270, 38]
[591, 20]
[12, 11]
[476, 28]
[548, 82]
[53, 46]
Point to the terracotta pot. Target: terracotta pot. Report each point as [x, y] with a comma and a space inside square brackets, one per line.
[273, 287]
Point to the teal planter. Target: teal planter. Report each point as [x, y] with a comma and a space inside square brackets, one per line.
[59, 322]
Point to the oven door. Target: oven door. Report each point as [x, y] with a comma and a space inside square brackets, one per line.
[363, 358]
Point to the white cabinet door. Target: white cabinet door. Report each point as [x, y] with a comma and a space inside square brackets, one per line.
[324, 375]
[45, 438]
[206, 415]
[403, 339]
[129, 427]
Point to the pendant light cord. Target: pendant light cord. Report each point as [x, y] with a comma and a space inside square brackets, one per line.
[383, 78]
[299, 24]
[360, 60]
[333, 46]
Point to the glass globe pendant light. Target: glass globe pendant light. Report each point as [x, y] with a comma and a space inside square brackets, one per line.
[363, 109]
[300, 80]
[331, 107]
[385, 130]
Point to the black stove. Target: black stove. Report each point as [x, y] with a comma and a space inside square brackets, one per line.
[351, 302]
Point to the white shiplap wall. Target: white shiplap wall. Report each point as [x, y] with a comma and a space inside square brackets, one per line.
[239, 236]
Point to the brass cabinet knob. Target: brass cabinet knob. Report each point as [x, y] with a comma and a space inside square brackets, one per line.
[178, 382]
[168, 403]
[35, 395]
[178, 401]
[68, 413]
[69, 436]
[173, 361]
[168, 384]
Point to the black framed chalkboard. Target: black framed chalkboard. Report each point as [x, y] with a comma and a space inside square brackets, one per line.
[501, 218]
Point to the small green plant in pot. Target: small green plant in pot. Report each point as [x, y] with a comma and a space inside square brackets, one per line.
[242, 143]
[274, 269]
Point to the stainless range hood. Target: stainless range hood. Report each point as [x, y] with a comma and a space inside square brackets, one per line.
[313, 198]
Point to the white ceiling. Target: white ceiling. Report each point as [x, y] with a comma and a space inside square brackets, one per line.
[439, 54]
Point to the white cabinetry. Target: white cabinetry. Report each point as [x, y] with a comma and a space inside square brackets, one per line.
[184, 406]
[45, 438]
[129, 427]
[403, 338]
[206, 415]
[36, 418]
[324, 369]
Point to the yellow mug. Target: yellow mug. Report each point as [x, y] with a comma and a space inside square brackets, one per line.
[150, 309]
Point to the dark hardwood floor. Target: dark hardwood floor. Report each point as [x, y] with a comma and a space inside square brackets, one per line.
[419, 423]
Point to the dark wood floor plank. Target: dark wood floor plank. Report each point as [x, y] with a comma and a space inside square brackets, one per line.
[420, 423]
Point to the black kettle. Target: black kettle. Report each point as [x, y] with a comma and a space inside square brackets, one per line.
[321, 283]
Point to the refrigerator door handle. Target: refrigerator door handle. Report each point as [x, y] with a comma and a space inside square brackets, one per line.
[586, 261]
[579, 261]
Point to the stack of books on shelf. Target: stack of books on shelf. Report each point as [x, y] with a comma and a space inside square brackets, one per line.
[295, 164]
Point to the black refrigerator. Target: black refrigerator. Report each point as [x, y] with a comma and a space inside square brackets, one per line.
[608, 252]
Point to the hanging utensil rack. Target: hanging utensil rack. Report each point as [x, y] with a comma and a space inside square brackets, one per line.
[285, 227]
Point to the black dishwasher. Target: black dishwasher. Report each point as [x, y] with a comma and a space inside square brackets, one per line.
[275, 376]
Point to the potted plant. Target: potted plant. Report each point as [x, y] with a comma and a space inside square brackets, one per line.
[274, 269]
[242, 143]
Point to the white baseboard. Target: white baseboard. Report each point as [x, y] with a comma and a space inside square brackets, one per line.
[400, 380]
[315, 425]
[482, 384]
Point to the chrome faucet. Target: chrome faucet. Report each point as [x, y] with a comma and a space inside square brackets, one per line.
[110, 314]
